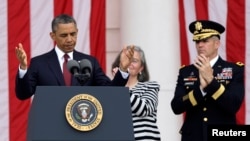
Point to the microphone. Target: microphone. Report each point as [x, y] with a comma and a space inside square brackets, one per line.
[81, 70]
[85, 67]
[73, 67]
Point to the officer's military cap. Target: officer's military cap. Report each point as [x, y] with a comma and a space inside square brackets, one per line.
[203, 29]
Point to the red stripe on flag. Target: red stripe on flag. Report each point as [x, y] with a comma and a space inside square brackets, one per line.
[236, 40]
[18, 31]
[184, 51]
[63, 7]
[97, 31]
[201, 8]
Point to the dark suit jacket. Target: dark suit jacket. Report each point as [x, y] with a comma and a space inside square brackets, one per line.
[44, 70]
[223, 98]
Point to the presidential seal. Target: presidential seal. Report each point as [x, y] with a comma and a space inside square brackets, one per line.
[84, 112]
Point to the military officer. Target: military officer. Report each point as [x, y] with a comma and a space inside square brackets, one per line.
[211, 90]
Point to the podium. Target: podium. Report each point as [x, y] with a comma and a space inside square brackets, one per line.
[48, 120]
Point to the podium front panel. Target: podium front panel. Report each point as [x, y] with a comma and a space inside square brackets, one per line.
[47, 120]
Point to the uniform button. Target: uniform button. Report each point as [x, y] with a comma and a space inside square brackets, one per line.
[204, 109]
[205, 119]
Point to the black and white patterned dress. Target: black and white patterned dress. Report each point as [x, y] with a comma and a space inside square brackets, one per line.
[144, 102]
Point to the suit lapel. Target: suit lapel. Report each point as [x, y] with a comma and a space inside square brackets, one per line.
[54, 66]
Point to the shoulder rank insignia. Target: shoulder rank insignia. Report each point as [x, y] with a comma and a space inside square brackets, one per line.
[239, 64]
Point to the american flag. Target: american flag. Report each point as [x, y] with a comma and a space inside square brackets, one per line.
[235, 16]
[29, 22]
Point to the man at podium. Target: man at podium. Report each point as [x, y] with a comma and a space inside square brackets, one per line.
[48, 69]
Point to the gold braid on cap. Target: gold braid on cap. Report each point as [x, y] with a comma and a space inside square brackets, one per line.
[204, 33]
[200, 34]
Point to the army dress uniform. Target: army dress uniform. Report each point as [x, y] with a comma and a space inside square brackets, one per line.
[218, 103]
[223, 98]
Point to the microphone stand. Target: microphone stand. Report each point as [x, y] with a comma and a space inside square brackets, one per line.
[82, 78]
